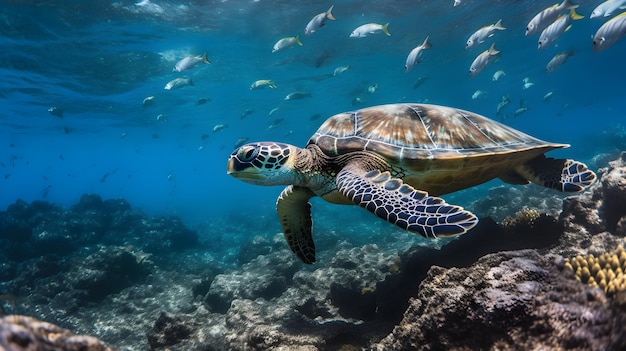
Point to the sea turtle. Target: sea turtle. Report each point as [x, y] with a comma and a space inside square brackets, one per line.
[393, 160]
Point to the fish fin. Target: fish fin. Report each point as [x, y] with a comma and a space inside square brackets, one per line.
[426, 44]
[385, 28]
[492, 50]
[574, 15]
[329, 13]
[298, 40]
[498, 25]
[568, 5]
[205, 59]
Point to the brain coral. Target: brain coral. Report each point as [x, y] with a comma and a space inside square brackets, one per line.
[605, 271]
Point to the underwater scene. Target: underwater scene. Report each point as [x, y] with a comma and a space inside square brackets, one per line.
[312, 175]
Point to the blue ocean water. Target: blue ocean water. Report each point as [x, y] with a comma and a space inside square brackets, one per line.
[96, 62]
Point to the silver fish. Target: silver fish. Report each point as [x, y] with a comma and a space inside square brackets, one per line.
[546, 17]
[190, 62]
[485, 32]
[607, 8]
[339, 70]
[498, 75]
[178, 83]
[558, 27]
[297, 95]
[286, 43]
[481, 61]
[610, 32]
[415, 55]
[504, 100]
[370, 28]
[558, 60]
[318, 21]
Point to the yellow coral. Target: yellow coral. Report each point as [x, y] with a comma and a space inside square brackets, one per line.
[605, 271]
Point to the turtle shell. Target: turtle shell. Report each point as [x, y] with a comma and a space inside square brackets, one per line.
[431, 144]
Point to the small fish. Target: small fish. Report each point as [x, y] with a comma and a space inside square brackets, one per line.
[544, 18]
[477, 94]
[246, 113]
[481, 61]
[200, 148]
[548, 96]
[123, 135]
[456, 3]
[273, 111]
[610, 32]
[55, 111]
[286, 43]
[498, 75]
[372, 88]
[521, 109]
[319, 21]
[607, 8]
[161, 117]
[178, 83]
[482, 34]
[148, 101]
[339, 70]
[202, 101]
[104, 177]
[263, 83]
[240, 142]
[275, 123]
[504, 100]
[297, 95]
[169, 177]
[558, 60]
[418, 83]
[358, 101]
[415, 55]
[190, 62]
[527, 85]
[218, 127]
[315, 117]
[370, 28]
[556, 29]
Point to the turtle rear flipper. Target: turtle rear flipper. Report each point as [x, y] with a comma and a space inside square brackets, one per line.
[400, 204]
[294, 212]
[564, 175]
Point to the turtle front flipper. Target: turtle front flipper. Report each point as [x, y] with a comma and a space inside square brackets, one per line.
[560, 174]
[400, 204]
[294, 212]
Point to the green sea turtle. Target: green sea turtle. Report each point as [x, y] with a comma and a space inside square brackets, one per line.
[393, 160]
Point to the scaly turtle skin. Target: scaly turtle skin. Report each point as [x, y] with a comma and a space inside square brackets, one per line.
[393, 160]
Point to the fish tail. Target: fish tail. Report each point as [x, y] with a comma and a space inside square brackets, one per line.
[329, 13]
[298, 40]
[498, 25]
[385, 28]
[205, 59]
[574, 15]
[426, 44]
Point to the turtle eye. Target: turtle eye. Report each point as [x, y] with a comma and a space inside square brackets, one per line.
[248, 153]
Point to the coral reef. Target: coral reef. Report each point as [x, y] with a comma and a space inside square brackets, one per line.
[517, 300]
[21, 333]
[605, 271]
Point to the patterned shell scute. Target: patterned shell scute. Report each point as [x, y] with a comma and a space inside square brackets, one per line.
[417, 132]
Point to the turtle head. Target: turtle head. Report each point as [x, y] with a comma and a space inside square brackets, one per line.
[263, 163]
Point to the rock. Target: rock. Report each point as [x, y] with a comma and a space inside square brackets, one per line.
[21, 333]
[599, 210]
[168, 330]
[507, 301]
